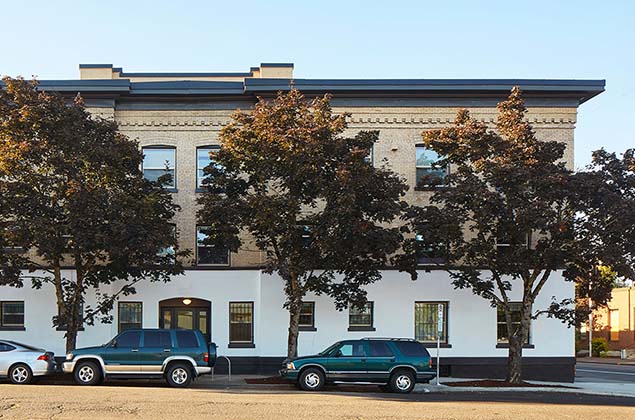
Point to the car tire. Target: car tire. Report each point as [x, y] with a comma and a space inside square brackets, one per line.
[179, 375]
[87, 373]
[402, 381]
[20, 374]
[311, 379]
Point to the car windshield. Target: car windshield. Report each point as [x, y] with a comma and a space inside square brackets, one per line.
[328, 349]
[26, 346]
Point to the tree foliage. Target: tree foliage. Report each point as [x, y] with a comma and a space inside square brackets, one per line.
[72, 195]
[287, 176]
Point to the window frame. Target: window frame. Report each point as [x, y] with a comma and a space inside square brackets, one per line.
[308, 327]
[445, 340]
[198, 263]
[119, 316]
[12, 327]
[424, 187]
[216, 147]
[160, 147]
[505, 343]
[240, 344]
[363, 327]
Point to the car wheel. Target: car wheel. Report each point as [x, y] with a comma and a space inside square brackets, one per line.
[179, 375]
[87, 373]
[402, 381]
[311, 379]
[20, 374]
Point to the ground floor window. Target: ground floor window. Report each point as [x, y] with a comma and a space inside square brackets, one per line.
[130, 315]
[12, 315]
[241, 323]
[501, 329]
[361, 318]
[426, 322]
[307, 316]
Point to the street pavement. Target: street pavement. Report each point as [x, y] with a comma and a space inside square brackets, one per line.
[604, 373]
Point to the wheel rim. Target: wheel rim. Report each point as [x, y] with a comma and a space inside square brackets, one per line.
[312, 380]
[86, 374]
[403, 382]
[179, 376]
[20, 374]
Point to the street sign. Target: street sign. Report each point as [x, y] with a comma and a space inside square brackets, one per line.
[440, 319]
[439, 332]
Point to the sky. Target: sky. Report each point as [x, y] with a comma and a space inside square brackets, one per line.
[560, 39]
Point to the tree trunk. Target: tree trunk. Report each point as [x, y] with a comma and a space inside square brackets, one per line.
[515, 360]
[294, 328]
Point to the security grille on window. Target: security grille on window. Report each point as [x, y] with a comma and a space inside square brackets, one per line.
[12, 315]
[429, 173]
[130, 315]
[502, 325]
[426, 322]
[241, 316]
[203, 159]
[307, 315]
[159, 161]
[207, 254]
[361, 317]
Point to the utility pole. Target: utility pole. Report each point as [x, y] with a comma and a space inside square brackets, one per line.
[590, 334]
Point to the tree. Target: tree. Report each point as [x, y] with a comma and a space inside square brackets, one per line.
[286, 176]
[72, 194]
[506, 218]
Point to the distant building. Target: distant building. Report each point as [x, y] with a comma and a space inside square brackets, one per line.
[616, 322]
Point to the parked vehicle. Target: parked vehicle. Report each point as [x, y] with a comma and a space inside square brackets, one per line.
[22, 363]
[395, 364]
[178, 356]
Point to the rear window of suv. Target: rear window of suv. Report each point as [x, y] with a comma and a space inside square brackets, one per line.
[412, 349]
[186, 339]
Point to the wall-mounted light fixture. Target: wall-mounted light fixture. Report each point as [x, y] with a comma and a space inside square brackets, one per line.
[187, 301]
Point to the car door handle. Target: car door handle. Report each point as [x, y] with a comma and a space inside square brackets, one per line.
[134, 350]
[363, 359]
[166, 350]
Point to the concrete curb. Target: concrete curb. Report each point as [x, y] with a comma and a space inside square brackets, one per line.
[571, 390]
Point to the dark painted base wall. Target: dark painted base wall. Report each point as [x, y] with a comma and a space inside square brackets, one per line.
[556, 369]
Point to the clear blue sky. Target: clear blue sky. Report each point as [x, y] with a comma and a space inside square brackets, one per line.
[345, 39]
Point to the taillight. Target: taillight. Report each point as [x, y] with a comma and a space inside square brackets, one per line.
[430, 363]
[206, 358]
[44, 357]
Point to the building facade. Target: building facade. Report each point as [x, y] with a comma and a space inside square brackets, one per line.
[615, 322]
[177, 117]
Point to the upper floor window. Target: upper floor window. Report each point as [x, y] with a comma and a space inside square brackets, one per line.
[203, 159]
[429, 173]
[207, 254]
[159, 161]
[509, 240]
[429, 251]
[369, 157]
[12, 315]
[169, 251]
[361, 319]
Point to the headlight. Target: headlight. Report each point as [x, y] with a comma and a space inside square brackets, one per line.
[69, 356]
[290, 366]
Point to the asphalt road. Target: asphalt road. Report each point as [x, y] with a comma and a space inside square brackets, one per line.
[604, 373]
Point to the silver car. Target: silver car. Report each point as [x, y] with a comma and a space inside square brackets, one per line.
[21, 363]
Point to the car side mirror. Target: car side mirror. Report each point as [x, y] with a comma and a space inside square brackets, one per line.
[338, 353]
[114, 344]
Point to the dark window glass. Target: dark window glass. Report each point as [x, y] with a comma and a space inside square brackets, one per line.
[157, 339]
[6, 347]
[209, 254]
[361, 317]
[429, 250]
[186, 339]
[203, 160]
[379, 349]
[129, 339]
[426, 322]
[12, 314]
[130, 315]
[412, 349]
[307, 314]
[502, 324]
[429, 173]
[158, 162]
[352, 349]
[241, 322]
[508, 243]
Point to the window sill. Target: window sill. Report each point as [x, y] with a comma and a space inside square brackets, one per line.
[506, 346]
[171, 190]
[65, 329]
[430, 187]
[307, 329]
[434, 345]
[241, 346]
[12, 329]
[361, 328]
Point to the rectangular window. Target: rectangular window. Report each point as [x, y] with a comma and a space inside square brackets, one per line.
[209, 254]
[130, 315]
[426, 322]
[430, 251]
[614, 325]
[361, 318]
[12, 315]
[203, 159]
[369, 157]
[502, 325]
[307, 315]
[63, 327]
[241, 322]
[169, 251]
[508, 240]
[159, 161]
[429, 173]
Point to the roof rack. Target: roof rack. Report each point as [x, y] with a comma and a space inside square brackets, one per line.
[389, 338]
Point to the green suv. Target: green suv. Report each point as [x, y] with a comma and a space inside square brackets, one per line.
[179, 356]
[395, 364]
